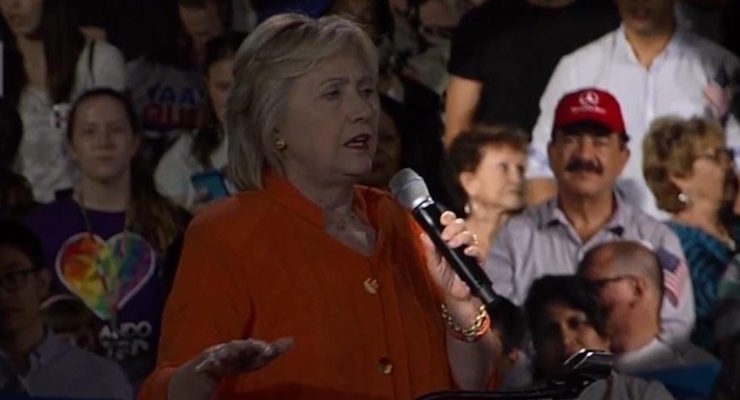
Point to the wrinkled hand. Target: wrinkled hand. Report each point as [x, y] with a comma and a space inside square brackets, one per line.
[240, 356]
[455, 235]
[197, 379]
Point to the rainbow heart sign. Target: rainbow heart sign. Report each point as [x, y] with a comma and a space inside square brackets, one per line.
[105, 275]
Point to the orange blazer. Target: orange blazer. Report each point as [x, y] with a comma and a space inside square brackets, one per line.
[260, 265]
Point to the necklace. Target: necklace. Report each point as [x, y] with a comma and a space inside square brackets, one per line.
[107, 263]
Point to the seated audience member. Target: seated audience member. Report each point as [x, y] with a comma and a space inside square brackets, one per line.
[107, 240]
[588, 150]
[727, 332]
[33, 360]
[166, 84]
[393, 149]
[204, 150]
[631, 280]
[565, 316]
[58, 64]
[487, 166]
[302, 120]
[689, 170]
[654, 67]
[16, 197]
[504, 51]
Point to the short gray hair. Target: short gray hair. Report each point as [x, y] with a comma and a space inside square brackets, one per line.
[281, 49]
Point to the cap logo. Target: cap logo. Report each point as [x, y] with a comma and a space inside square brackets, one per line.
[588, 102]
[589, 99]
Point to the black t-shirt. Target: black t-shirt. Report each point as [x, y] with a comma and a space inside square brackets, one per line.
[512, 47]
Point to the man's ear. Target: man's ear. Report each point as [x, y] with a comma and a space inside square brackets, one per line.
[640, 288]
[625, 154]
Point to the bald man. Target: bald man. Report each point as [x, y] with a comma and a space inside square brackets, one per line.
[629, 278]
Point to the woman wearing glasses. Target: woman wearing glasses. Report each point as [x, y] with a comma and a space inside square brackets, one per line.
[689, 170]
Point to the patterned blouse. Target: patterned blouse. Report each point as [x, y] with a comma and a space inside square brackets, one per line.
[708, 259]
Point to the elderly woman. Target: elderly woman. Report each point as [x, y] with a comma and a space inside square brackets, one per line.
[689, 170]
[488, 167]
[303, 252]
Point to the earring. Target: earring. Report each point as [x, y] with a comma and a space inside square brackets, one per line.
[683, 198]
[280, 144]
[468, 208]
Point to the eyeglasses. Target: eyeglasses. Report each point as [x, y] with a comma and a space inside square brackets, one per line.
[602, 283]
[16, 280]
[719, 155]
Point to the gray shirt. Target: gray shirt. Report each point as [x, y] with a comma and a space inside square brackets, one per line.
[541, 241]
[59, 369]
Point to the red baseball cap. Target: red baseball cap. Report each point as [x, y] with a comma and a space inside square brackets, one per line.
[589, 105]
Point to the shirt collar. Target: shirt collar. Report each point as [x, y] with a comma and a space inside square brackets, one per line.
[553, 215]
[288, 196]
[624, 51]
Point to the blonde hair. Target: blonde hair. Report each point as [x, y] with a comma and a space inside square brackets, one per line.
[669, 149]
[281, 49]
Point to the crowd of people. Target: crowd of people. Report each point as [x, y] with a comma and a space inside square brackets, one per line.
[194, 197]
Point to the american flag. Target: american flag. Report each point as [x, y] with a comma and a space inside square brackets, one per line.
[675, 274]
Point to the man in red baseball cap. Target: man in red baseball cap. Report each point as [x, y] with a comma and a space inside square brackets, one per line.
[587, 152]
[588, 149]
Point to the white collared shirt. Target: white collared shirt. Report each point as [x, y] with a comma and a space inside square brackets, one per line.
[673, 85]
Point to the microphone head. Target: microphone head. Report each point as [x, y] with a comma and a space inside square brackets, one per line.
[409, 189]
[590, 364]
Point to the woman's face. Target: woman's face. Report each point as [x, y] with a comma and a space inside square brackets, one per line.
[219, 80]
[498, 182]
[330, 121]
[103, 142]
[23, 16]
[709, 181]
[564, 332]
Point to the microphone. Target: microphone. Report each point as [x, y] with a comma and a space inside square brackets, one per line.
[410, 190]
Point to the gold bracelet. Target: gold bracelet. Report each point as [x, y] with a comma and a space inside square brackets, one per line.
[478, 329]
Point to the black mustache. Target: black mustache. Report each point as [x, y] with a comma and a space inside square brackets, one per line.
[578, 164]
